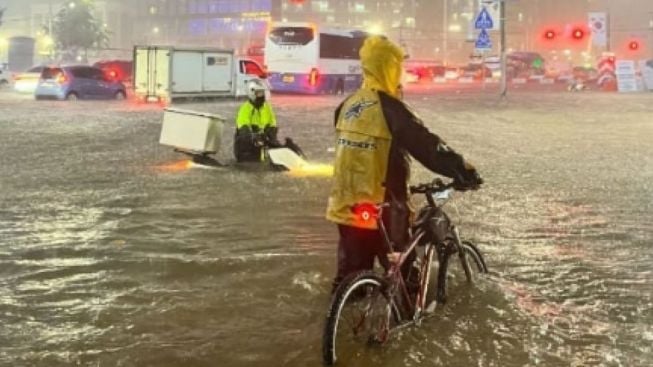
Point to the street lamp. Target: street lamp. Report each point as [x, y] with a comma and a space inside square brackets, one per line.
[375, 29]
[4, 45]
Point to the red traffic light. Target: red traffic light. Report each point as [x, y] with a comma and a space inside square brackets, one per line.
[633, 46]
[549, 34]
[578, 34]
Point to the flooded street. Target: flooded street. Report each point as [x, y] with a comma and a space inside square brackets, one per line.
[114, 252]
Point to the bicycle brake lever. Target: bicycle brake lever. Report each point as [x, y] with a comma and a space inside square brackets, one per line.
[438, 182]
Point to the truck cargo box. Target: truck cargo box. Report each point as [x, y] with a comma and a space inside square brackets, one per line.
[190, 131]
[165, 73]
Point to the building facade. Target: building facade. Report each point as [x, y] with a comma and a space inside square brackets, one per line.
[233, 24]
[428, 29]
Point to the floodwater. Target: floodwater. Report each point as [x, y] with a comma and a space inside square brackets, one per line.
[114, 252]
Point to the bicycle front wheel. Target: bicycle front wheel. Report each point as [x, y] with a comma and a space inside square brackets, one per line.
[361, 314]
[471, 264]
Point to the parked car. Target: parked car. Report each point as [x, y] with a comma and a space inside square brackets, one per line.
[4, 77]
[410, 76]
[585, 74]
[476, 71]
[120, 70]
[78, 82]
[27, 81]
[451, 73]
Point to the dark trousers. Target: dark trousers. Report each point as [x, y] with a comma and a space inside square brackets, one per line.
[357, 249]
[245, 149]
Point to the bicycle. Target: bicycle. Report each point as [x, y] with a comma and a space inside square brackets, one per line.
[367, 306]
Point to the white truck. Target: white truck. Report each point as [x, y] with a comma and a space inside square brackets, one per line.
[165, 73]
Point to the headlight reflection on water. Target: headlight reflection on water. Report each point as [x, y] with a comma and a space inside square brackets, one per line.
[177, 166]
[312, 170]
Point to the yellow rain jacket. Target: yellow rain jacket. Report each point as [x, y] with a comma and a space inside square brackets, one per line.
[363, 138]
[375, 135]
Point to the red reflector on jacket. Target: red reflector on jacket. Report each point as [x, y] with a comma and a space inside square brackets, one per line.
[365, 212]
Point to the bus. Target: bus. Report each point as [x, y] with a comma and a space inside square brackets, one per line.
[302, 58]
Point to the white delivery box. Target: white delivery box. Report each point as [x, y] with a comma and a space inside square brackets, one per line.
[190, 131]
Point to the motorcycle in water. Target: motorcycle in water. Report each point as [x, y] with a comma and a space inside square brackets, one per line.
[263, 147]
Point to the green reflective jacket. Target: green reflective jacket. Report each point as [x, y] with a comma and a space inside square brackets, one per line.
[259, 117]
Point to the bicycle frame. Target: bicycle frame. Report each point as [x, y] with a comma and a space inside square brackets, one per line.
[417, 304]
[377, 304]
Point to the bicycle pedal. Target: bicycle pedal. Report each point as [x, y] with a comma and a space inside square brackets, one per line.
[430, 308]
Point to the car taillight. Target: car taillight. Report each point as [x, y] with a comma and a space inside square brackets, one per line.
[61, 79]
[112, 74]
[313, 77]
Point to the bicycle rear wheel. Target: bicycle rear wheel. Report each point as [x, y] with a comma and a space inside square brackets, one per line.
[361, 314]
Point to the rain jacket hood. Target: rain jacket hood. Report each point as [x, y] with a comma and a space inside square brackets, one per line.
[381, 61]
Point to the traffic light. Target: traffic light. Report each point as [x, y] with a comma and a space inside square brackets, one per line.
[578, 34]
[633, 45]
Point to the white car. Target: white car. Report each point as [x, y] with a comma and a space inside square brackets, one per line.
[26, 82]
[4, 76]
[451, 73]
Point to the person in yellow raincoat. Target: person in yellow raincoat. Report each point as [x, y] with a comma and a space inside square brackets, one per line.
[375, 135]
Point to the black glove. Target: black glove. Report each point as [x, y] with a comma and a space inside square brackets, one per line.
[467, 179]
[270, 133]
[246, 134]
[290, 144]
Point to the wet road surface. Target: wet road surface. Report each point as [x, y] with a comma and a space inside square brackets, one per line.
[114, 252]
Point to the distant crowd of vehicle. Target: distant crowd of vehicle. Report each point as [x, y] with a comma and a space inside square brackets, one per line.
[520, 65]
[103, 80]
[296, 58]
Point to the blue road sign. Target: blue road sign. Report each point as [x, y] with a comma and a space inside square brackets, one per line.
[483, 42]
[484, 20]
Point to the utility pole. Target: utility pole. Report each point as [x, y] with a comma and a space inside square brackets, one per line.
[650, 27]
[445, 31]
[504, 57]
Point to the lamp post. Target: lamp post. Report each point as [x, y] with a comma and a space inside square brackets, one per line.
[4, 45]
[504, 61]
[650, 27]
[445, 30]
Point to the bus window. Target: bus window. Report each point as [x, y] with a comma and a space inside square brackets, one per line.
[340, 47]
[292, 36]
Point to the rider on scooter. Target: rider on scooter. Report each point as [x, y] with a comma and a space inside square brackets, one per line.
[256, 126]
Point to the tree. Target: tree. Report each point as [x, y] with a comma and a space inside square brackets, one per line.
[75, 28]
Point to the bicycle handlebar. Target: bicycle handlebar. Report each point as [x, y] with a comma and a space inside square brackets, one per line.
[431, 188]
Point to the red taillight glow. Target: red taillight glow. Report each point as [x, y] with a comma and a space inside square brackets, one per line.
[313, 77]
[61, 79]
[365, 212]
[578, 34]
